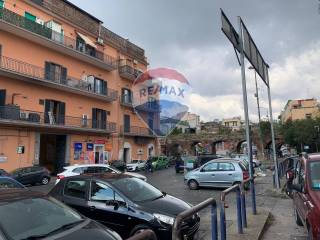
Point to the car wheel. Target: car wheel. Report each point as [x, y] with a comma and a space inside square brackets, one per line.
[138, 229]
[193, 185]
[297, 218]
[45, 180]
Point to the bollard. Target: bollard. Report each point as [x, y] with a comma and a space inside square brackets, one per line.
[243, 209]
[214, 222]
[223, 228]
[253, 194]
[274, 179]
[239, 218]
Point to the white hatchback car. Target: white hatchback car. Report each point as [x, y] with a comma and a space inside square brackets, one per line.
[136, 165]
[76, 170]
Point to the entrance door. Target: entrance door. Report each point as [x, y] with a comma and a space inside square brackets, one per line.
[99, 153]
[53, 152]
[126, 152]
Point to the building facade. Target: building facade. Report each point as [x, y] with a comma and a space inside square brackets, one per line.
[300, 109]
[235, 123]
[65, 88]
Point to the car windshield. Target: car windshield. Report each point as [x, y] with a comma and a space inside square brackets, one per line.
[315, 175]
[137, 190]
[28, 218]
[135, 161]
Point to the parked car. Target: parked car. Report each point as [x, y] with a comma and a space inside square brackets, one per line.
[4, 173]
[126, 204]
[136, 165]
[32, 215]
[217, 173]
[118, 164]
[76, 170]
[244, 157]
[7, 182]
[202, 159]
[159, 162]
[306, 193]
[31, 175]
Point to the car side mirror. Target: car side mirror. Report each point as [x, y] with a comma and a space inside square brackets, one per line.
[297, 187]
[113, 203]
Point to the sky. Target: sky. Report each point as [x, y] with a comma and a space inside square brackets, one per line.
[186, 35]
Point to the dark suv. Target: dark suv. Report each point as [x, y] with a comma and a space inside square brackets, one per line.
[305, 180]
[31, 175]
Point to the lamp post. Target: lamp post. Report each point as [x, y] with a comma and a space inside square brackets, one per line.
[259, 114]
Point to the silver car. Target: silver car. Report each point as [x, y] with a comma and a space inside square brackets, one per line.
[217, 173]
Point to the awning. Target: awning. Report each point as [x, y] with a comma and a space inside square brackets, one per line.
[87, 40]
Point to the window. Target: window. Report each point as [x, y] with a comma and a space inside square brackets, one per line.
[308, 116]
[101, 192]
[76, 188]
[210, 167]
[97, 170]
[100, 86]
[126, 96]
[315, 175]
[55, 72]
[226, 167]
[1, 4]
[126, 121]
[99, 118]
[54, 112]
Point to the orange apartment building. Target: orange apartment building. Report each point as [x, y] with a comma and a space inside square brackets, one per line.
[65, 88]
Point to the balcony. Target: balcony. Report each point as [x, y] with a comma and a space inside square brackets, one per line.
[17, 69]
[150, 107]
[129, 72]
[13, 116]
[136, 131]
[40, 34]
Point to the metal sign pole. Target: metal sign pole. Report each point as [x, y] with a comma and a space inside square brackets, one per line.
[272, 136]
[246, 116]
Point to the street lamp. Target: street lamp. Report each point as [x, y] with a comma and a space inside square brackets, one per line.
[259, 114]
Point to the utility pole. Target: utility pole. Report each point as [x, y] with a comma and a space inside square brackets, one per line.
[259, 114]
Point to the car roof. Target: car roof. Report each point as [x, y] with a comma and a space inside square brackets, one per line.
[87, 165]
[226, 160]
[15, 194]
[108, 177]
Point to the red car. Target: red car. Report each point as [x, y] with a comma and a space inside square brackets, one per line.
[306, 193]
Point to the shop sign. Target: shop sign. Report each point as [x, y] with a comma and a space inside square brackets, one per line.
[3, 159]
[78, 146]
[20, 150]
[89, 146]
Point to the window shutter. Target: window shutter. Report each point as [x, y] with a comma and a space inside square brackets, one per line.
[63, 75]
[94, 118]
[62, 111]
[126, 121]
[47, 70]
[47, 104]
[104, 88]
[104, 119]
[2, 97]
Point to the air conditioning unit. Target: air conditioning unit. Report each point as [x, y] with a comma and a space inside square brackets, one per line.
[40, 21]
[100, 41]
[24, 115]
[84, 120]
[135, 61]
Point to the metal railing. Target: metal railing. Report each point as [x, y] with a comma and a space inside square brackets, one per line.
[145, 235]
[43, 31]
[41, 74]
[14, 113]
[136, 131]
[177, 234]
[129, 72]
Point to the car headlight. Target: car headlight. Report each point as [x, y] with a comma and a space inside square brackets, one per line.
[164, 218]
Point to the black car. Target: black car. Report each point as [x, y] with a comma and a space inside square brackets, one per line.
[32, 215]
[202, 159]
[118, 164]
[4, 173]
[7, 182]
[126, 204]
[31, 175]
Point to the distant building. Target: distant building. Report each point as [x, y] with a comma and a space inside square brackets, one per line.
[234, 123]
[300, 109]
[193, 120]
[211, 127]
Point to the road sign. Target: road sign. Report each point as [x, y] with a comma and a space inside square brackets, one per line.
[253, 55]
[229, 31]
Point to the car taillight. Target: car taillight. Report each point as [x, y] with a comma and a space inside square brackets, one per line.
[60, 177]
[245, 175]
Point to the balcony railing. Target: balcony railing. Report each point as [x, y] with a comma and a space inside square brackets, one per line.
[152, 106]
[43, 31]
[14, 115]
[137, 131]
[129, 72]
[40, 74]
